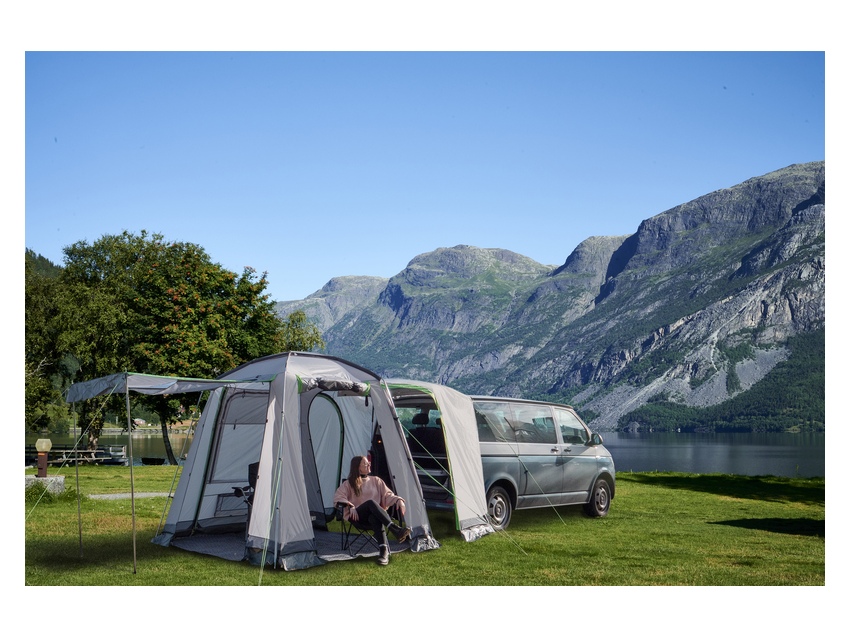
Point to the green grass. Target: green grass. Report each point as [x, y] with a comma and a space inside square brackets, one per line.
[662, 529]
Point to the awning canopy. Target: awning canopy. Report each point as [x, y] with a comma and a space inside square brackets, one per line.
[122, 382]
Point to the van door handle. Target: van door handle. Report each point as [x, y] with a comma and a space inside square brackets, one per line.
[554, 449]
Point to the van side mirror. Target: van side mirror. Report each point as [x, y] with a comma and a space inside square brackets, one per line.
[595, 439]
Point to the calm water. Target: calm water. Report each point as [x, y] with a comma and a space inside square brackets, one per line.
[144, 445]
[747, 454]
[800, 455]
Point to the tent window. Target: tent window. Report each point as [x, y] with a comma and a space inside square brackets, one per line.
[240, 436]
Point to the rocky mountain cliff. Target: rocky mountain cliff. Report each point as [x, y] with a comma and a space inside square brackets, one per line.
[703, 294]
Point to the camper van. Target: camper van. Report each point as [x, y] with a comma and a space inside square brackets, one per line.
[533, 453]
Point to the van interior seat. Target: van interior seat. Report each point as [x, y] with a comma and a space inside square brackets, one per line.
[420, 419]
[427, 440]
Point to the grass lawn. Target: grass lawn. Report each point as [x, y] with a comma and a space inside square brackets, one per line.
[662, 529]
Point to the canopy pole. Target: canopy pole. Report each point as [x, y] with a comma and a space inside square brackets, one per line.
[132, 485]
[77, 474]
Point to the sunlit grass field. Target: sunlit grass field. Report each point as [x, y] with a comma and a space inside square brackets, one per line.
[663, 529]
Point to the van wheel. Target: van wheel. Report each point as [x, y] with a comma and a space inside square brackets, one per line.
[499, 508]
[600, 499]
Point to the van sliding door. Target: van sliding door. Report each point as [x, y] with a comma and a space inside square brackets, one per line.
[541, 461]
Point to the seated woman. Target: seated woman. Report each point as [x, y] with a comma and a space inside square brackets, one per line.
[366, 500]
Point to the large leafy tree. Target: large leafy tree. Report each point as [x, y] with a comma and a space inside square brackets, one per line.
[42, 399]
[142, 304]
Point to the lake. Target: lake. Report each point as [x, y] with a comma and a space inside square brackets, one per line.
[752, 454]
[147, 444]
[792, 455]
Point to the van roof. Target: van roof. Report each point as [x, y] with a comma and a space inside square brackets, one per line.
[515, 400]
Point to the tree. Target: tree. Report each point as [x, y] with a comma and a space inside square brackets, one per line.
[138, 303]
[39, 396]
[42, 398]
[299, 333]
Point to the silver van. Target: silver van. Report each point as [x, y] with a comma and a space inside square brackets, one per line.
[533, 453]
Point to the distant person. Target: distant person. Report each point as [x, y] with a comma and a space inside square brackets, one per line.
[366, 500]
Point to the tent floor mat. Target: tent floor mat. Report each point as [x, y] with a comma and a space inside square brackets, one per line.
[232, 546]
[227, 546]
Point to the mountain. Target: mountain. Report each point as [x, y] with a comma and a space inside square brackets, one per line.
[695, 308]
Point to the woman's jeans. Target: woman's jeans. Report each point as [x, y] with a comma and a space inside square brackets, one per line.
[372, 516]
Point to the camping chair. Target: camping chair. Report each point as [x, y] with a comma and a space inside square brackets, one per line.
[247, 493]
[353, 533]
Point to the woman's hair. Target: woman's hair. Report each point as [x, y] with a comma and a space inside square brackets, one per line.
[354, 479]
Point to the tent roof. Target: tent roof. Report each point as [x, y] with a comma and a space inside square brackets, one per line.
[252, 373]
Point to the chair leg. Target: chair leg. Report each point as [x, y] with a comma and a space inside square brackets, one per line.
[352, 533]
[363, 536]
[365, 539]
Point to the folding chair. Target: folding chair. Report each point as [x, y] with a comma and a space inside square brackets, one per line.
[247, 493]
[352, 534]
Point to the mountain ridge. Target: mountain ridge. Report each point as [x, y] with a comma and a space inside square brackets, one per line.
[621, 322]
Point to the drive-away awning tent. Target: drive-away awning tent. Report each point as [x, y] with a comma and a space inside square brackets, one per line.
[298, 418]
[463, 454]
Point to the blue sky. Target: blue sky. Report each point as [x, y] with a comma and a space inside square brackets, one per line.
[311, 165]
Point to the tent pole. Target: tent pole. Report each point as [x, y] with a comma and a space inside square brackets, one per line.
[132, 485]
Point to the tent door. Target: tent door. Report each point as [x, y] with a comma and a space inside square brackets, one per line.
[238, 441]
[326, 434]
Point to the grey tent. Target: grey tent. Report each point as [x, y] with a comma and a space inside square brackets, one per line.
[297, 418]
[462, 453]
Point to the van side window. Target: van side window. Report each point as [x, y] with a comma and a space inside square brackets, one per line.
[534, 424]
[494, 421]
[572, 430]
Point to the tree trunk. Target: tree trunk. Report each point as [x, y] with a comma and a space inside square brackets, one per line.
[95, 426]
[168, 451]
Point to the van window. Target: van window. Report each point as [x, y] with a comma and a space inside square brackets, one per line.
[534, 424]
[572, 430]
[494, 421]
[412, 418]
[423, 427]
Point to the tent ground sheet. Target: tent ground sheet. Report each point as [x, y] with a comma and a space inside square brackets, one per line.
[328, 546]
